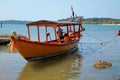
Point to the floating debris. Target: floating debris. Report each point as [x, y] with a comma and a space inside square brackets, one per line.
[102, 64]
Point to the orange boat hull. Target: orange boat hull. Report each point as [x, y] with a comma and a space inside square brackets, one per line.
[34, 50]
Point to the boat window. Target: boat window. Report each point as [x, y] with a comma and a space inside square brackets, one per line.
[51, 36]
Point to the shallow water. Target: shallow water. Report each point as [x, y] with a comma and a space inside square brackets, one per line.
[99, 42]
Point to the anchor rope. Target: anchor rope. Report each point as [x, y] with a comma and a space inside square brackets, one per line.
[93, 37]
[112, 40]
[4, 60]
[102, 43]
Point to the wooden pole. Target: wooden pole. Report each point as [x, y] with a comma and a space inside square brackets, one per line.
[79, 32]
[1, 24]
[28, 32]
[74, 32]
[38, 33]
[59, 34]
[70, 29]
[55, 33]
[67, 30]
[46, 33]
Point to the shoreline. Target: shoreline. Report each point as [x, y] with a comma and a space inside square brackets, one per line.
[104, 24]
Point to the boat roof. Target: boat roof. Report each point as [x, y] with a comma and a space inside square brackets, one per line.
[47, 23]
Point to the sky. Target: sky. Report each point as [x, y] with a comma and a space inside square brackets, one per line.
[57, 9]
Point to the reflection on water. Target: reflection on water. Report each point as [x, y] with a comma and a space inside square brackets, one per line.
[62, 68]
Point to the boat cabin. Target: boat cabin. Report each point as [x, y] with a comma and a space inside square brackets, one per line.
[72, 30]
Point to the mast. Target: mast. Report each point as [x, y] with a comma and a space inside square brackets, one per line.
[1, 24]
[73, 14]
[28, 32]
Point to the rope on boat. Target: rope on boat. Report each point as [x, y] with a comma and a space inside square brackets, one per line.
[101, 42]
[94, 37]
[90, 49]
[4, 60]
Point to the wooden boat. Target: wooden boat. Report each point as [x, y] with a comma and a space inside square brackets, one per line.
[33, 50]
[4, 39]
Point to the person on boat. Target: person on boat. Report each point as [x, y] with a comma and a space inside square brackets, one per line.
[61, 33]
[66, 37]
[48, 35]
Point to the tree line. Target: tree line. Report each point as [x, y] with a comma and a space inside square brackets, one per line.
[101, 21]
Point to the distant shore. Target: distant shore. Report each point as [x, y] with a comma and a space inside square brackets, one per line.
[103, 24]
[14, 22]
[89, 21]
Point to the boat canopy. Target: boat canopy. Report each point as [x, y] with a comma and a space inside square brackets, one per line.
[68, 23]
[47, 23]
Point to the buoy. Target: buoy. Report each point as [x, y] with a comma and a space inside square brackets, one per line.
[102, 64]
[118, 33]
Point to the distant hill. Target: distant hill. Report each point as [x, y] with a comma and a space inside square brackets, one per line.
[85, 21]
[101, 21]
[15, 22]
[96, 20]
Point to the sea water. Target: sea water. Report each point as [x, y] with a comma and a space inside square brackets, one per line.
[99, 42]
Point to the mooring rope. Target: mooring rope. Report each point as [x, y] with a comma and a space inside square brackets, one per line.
[101, 42]
[93, 37]
[89, 50]
[4, 59]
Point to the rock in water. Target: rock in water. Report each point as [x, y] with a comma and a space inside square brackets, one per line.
[102, 64]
